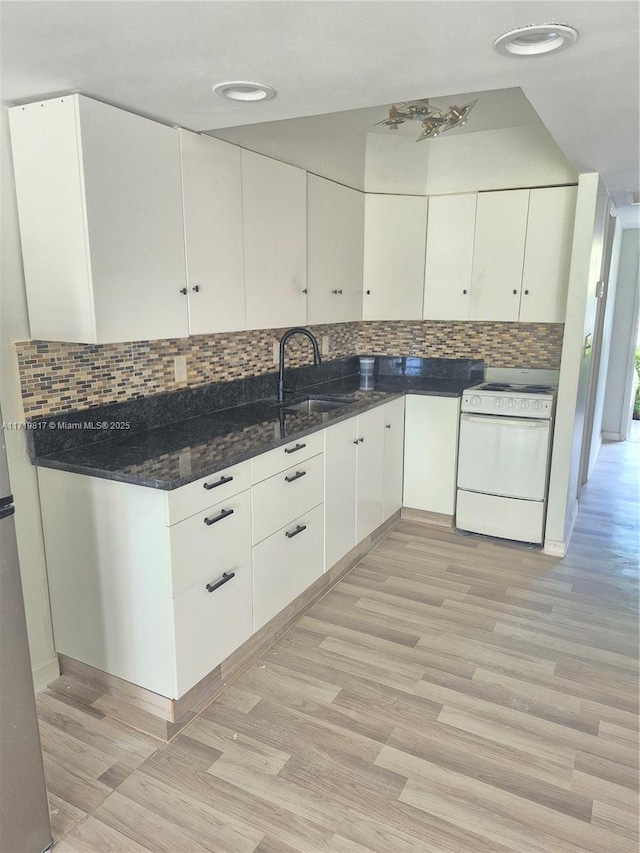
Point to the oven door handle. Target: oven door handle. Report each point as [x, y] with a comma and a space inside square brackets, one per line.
[506, 421]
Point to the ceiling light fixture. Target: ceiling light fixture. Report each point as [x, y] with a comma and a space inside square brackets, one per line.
[535, 39]
[241, 90]
[434, 121]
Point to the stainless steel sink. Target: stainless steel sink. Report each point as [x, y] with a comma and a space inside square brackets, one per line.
[318, 404]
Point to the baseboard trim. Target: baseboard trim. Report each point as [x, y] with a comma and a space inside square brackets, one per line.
[559, 549]
[46, 673]
[612, 436]
[435, 519]
[163, 717]
[554, 548]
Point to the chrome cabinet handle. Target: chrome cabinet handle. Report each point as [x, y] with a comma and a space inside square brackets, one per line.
[224, 514]
[183, 291]
[293, 449]
[296, 476]
[295, 532]
[196, 288]
[226, 577]
[217, 483]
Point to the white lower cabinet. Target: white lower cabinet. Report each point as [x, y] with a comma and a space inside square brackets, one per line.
[340, 461]
[393, 457]
[370, 477]
[129, 592]
[431, 453]
[286, 563]
[354, 481]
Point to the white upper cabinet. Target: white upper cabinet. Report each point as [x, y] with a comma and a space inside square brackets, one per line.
[449, 258]
[547, 255]
[100, 208]
[212, 199]
[335, 248]
[498, 254]
[394, 248]
[274, 207]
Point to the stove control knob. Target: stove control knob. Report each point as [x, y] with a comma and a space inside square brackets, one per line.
[538, 404]
[475, 400]
[512, 404]
[499, 402]
[524, 404]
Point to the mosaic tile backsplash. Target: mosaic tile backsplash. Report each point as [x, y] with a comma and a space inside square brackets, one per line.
[62, 377]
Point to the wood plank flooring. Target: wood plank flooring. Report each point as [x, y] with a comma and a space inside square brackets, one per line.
[451, 695]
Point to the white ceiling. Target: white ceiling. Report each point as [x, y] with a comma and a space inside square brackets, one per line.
[160, 58]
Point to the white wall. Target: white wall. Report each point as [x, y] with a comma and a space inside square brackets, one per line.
[607, 329]
[486, 160]
[14, 326]
[320, 144]
[586, 258]
[625, 332]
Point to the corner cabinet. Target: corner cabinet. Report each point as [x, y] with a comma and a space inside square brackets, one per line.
[212, 200]
[431, 455]
[100, 208]
[274, 211]
[335, 249]
[394, 246]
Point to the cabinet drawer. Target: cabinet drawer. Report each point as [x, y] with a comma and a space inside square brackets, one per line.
[274, 502]
[284, 565]
[284, 457]
[210, 625]
[209, 540]
[197, 496]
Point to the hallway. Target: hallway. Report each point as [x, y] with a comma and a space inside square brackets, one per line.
[451, 695]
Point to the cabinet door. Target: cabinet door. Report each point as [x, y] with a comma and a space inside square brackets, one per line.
[370, 472]
[547, 255]
[335, 246]
[341, 452]
[285, 564]
[212, 199]
[449, 258]
[100, 205]
[274, 206]
[133, 199]
[394, 246]
[498, 254]
[349, 252]
[211, 623]
[393, 456]
[431, 453]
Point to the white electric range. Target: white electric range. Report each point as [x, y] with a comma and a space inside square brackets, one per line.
[504, 452]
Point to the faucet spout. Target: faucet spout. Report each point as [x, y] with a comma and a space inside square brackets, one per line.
[296, 330]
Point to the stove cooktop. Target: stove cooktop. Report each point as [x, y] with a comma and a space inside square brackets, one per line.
[505, 387]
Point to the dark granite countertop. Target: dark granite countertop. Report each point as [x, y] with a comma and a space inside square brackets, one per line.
[177, 453]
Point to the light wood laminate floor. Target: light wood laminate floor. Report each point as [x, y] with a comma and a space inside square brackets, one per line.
[451, 694]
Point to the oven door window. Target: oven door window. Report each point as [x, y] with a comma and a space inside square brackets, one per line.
[503, 456]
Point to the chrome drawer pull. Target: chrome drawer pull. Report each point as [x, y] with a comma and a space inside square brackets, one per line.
[296, 476]
[295, 532]
[226, 577]
[293, 449]
[217, 483]
[224, 514]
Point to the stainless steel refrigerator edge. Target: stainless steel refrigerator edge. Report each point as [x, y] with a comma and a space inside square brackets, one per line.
[24, 810]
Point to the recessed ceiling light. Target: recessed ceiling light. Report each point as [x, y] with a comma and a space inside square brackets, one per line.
[535, 39]
[241, 90]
